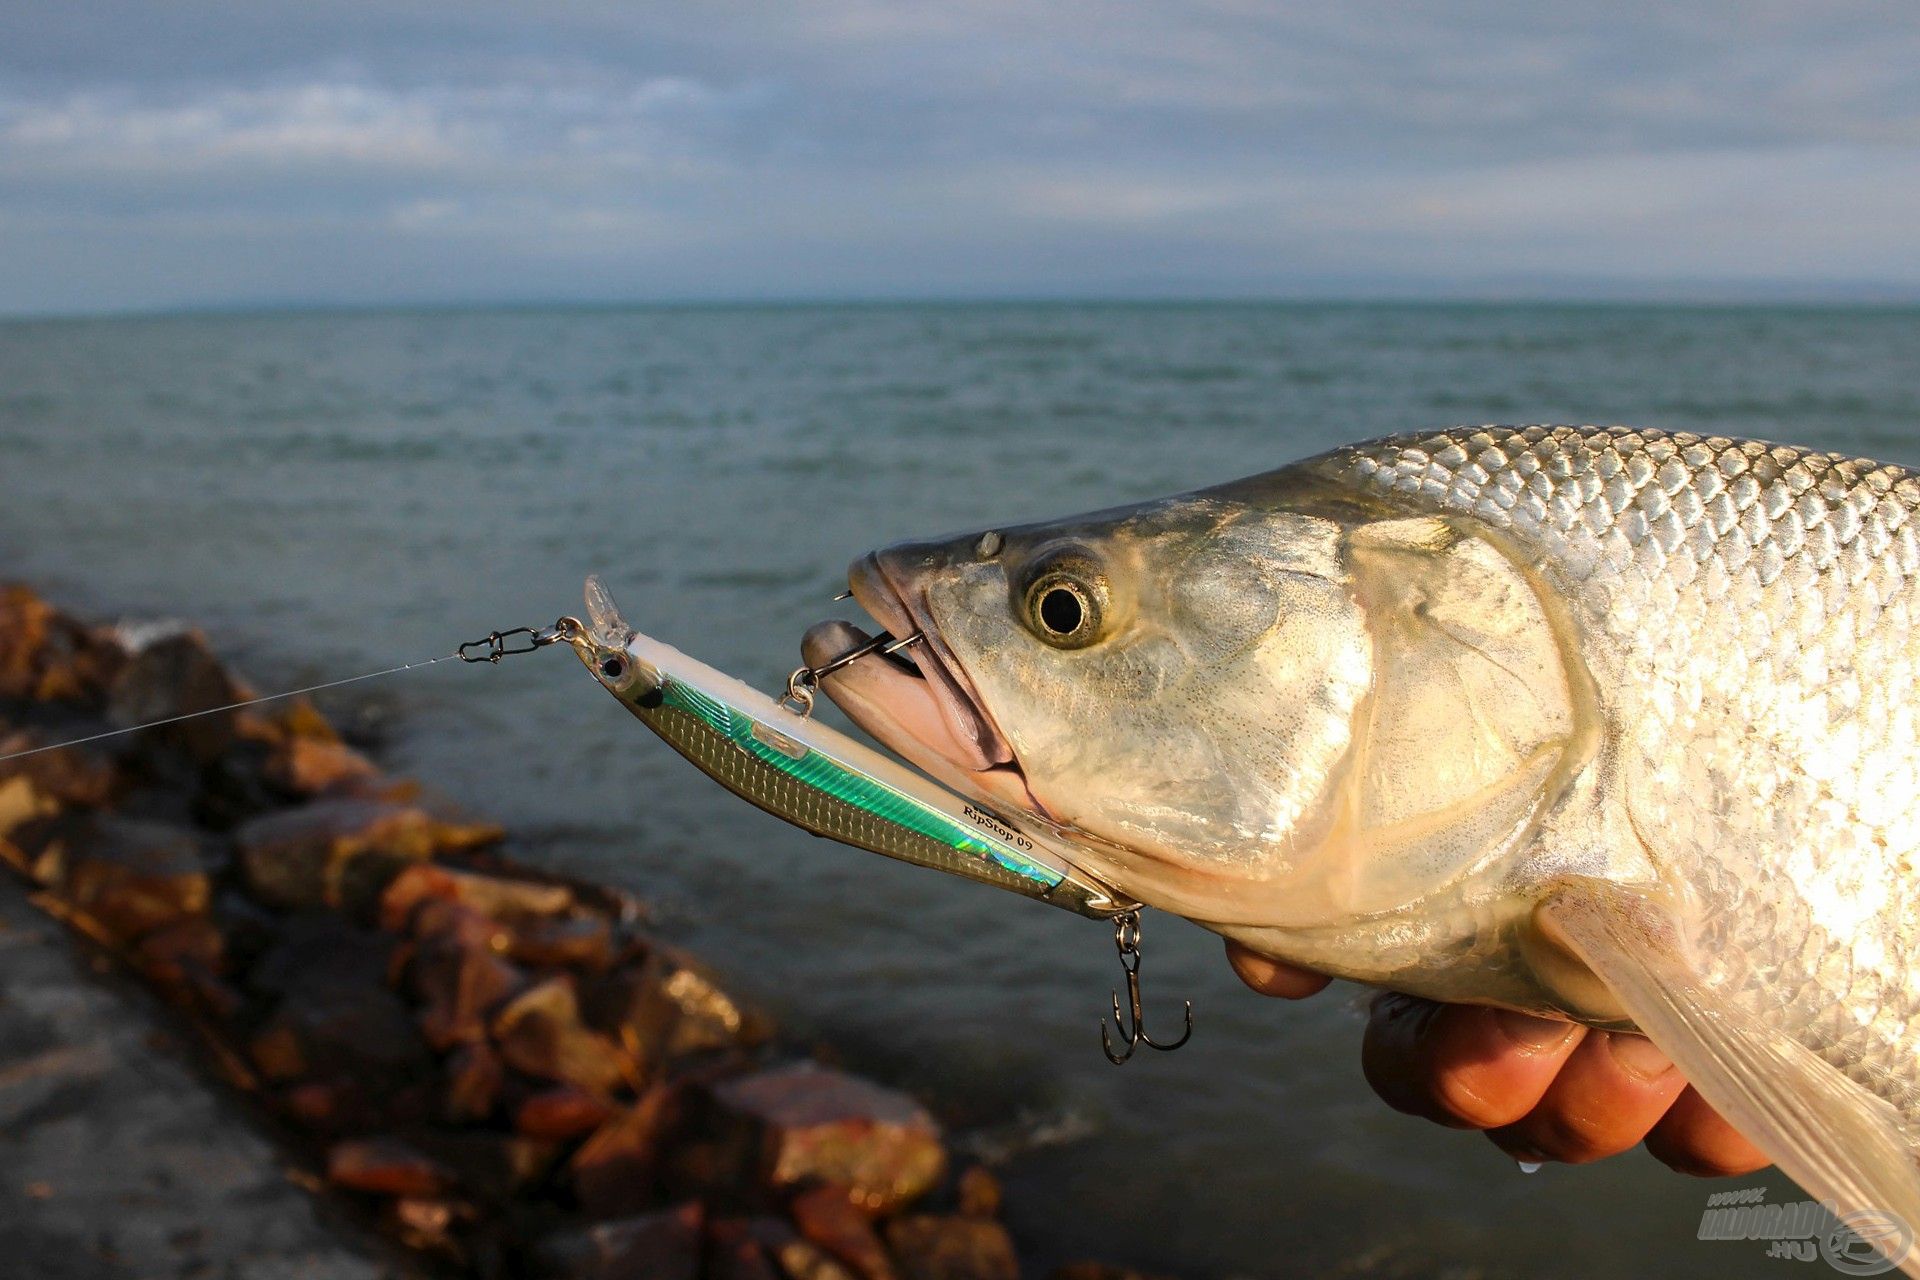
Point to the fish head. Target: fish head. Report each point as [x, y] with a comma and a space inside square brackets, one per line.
[1191, 690]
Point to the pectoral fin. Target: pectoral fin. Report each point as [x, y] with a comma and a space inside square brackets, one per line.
[1830, 1135]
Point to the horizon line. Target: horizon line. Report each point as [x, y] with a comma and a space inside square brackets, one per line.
[1677, 299]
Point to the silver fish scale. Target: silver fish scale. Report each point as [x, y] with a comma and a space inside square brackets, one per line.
[1747, 612]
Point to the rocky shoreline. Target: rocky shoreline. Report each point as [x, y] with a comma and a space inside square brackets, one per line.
[500, 1071]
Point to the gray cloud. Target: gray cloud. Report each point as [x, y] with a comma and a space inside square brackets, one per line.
[354, 152]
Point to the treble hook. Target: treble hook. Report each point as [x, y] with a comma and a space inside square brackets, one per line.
[1126, 940]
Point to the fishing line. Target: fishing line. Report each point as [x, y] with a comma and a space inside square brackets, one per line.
[235, 706]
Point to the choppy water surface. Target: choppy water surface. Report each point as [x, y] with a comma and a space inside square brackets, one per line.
[333, 493]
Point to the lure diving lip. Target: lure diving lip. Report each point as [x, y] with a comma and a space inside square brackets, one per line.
[819, 779]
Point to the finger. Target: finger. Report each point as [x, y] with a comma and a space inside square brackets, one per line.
[1613, 1089]
[1462, 1065]
[1272, 977]
[1693, 1138]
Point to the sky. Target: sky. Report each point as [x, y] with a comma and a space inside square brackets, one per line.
[201, 153]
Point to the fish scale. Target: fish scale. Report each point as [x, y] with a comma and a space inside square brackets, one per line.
[1775, 769]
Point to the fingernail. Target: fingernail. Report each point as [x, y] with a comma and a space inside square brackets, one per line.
[1531, 1033]
[1638, 1056]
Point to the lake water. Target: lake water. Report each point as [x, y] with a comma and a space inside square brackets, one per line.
[332, 493]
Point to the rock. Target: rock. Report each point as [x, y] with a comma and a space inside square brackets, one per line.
[561, 1114]
[38, 846]
[133, 877]
[928, 1247]
[499, 898]
[317, 953]
[25, 622]
[39, 785]
[804, 1260]
[306, 767]
[980, 1194]
[474, 1079]
[617, 1171]
[46, 656]
[460, 980]
[385, 1166]
[339, 1106]
[428, 1225]
[178, 956]
[21, 802]
[494, 1168]
[668, 1008]
[803, 1123]
[299, 718]
[540, 1033]
[653, 1246]
[582, 942]
[175, 676]
[826, 1216]
[332, 853]
[1097, 1271]
[365, 1032]
[734, 1252]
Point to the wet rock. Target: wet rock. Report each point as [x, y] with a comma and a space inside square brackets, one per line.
[332, 853]
[133, 877]
[654, 1246]
[21, 802]
[429, 1224]
[46, 656]
[540, 1033]
[802, 1259]
[668, 1008]
[386, 1166]
[734, 1252]
[305, 766]
[365, 1032]
[318, 953]
[178, 956]
[493, 1168]
[25, 621]
[804, 1123]
[340, 1106]
[299, 718]
[460, 980]
[927, 1247]
[980, 1194]
[1098, 1271]
[475, 1077]
[561, 1114]
[174, 676]
[617, 1171]
[581, 942]
[39, 785]
[499, 898]
[826, 1216]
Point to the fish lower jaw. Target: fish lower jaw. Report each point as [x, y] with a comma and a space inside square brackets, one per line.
[896, 705]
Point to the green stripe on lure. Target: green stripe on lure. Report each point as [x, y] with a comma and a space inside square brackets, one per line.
[817, 778]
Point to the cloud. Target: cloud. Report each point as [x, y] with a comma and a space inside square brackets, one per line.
[725, 149]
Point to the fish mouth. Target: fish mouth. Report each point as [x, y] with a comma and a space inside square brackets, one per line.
[918, 700]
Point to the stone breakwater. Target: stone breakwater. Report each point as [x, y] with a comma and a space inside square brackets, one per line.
[499, 1069]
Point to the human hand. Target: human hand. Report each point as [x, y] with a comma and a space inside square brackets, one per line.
[1540, 1089]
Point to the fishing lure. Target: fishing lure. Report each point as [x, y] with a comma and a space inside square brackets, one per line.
[773, 755]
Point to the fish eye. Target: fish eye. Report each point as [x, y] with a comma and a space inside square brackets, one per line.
[1062, 610]
[1066, 603]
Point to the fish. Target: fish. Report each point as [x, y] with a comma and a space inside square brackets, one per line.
[1597, 723]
